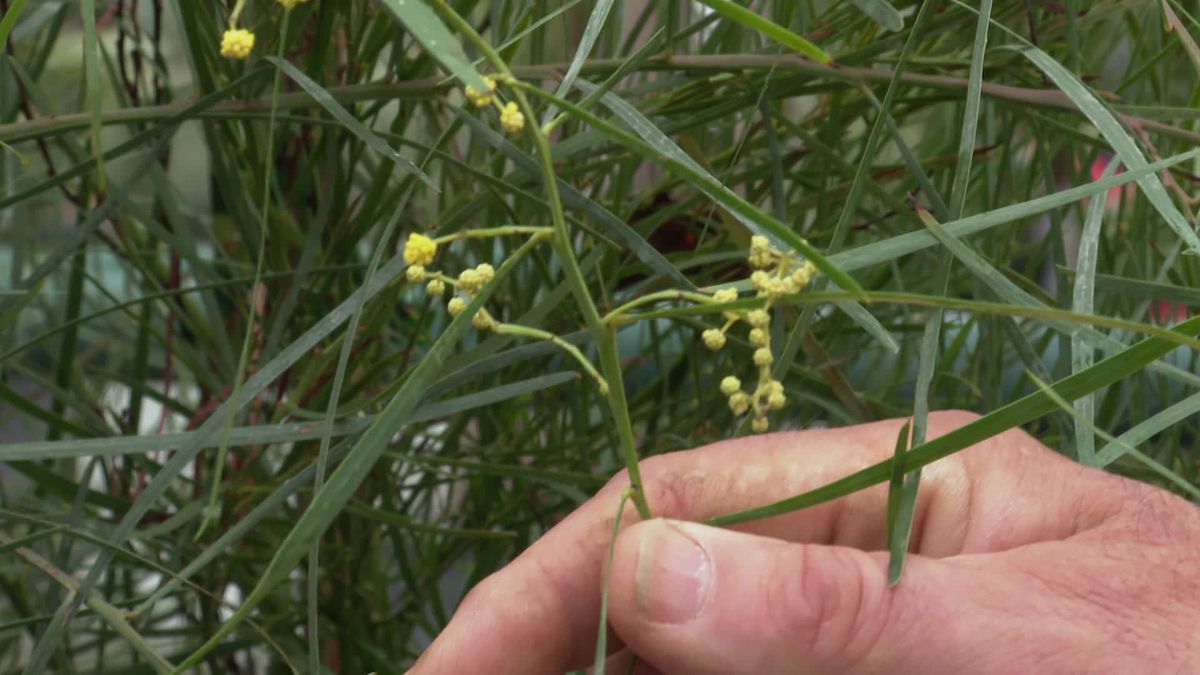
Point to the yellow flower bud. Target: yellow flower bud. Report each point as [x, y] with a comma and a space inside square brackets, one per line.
[763, 357]
[713, 338]
[237, 43]
[511, 118]
[760, 280]
[803, 274]
[739, 403]
[456, 306]
[435, 287]
[759, 424]
[761, 253]
[726, 295]
[776, 401]
[759, 318]
[481, 98]
[485, 273]
[758, 337]
[483, 320]
[730, 385]
[419, 249]
[468, 280]
[415, 274]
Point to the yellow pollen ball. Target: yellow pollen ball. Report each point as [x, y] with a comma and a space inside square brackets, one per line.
[483, 320]
[713, 338]
[511, 118]
[237, 43]
[758, 318]
[419, 249]
[481, 98]
[763, 357]
[730, 385]
[726, 295]
[739, 403]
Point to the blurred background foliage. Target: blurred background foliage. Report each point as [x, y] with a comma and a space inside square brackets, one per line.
[169, 348]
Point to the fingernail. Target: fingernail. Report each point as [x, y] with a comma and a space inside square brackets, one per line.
[673, 574]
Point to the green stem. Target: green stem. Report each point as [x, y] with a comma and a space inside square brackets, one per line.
[605, 337]
[484, 232]
[15, 132]
[615, 317]
[213, 510]
[539, 334]
[114, 616]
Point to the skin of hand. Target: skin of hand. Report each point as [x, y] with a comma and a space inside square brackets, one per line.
[1023, 561]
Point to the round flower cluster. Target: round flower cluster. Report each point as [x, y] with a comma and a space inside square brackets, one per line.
[775, 274]
[237, 43]
[482, 99]
[419, 252]
[512, 119]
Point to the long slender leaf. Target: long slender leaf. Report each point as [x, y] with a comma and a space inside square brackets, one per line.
[1021, 411]
[433, 35]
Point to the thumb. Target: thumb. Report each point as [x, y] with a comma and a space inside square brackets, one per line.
[694, 599]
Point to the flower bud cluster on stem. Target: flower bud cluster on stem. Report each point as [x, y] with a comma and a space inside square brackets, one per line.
[237, 43]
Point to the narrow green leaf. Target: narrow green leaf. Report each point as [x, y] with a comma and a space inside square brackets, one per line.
[613, 226]
[902, 521]
[1125, 448]
[761, 24]
[10, 20]
[349, 121]
[92, 76]
[710, 186]
[1083, 301]
[1121, 142]
[362, 457]
[602, 635]
[270, 434]
[1021, 411]
[433, 35]
[1147, 429]
[896, 483]
[1174, 25]
[590, 33]
[910, 242]
[207, 433]
[882, 12]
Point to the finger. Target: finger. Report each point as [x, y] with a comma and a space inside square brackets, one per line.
[695, 599]
[556, 582]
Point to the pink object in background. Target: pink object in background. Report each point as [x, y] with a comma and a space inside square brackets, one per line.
[1167, 313]
[1113, 197]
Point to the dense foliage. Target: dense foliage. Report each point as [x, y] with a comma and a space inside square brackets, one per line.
[231, 403]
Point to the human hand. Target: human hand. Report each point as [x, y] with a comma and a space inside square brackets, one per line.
[1024, 562]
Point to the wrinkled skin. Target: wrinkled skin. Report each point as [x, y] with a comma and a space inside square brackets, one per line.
[1025, 562]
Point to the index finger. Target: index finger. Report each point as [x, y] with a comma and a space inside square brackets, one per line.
[540, 613]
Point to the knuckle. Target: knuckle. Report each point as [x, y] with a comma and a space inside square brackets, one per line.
[673, 488]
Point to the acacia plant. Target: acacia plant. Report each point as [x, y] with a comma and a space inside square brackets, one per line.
[316, 313]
